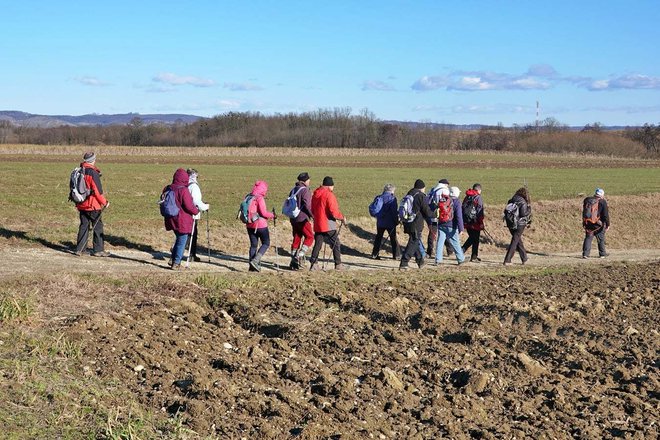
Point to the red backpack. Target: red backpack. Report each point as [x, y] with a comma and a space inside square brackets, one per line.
[445, 209]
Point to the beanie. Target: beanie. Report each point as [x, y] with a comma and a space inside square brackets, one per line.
[419, 184]
[327, 181]
[89, 157]
[599, 192]
[445, 181]
[303, 177]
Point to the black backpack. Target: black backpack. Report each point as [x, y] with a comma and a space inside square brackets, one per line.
[470, 213]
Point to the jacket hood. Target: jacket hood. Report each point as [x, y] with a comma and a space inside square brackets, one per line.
[260, 188]
[471, 192]
[192, 178]
[180, 177]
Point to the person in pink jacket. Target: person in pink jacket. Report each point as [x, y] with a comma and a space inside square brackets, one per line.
[182, 223]
[258, 230]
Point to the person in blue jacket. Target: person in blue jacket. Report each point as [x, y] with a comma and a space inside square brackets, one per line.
[387, 219]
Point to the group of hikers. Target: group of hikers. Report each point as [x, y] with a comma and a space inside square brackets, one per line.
[316, 219]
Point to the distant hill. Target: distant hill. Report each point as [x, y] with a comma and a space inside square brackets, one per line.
[23, 119]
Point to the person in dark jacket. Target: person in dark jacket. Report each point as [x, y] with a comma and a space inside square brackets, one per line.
[450, 230]
[475, 225]
[182, 223]
[387, 219]
[598, 228]
[521, 200]
[91, 208]
[414, 229]
[301, 226]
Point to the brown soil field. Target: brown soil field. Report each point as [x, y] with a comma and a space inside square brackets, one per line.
[546, 354]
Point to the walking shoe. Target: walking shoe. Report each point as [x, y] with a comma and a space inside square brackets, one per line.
[475, 260]
[524, 261]
[101, 254]
[340, 266]
[79, 253]
[460, 263]
[375, 257]
[421, 263]
[505, 263]
[175, 266]
[404, 267]
[604, 256]
[584, 257]
[195, 258]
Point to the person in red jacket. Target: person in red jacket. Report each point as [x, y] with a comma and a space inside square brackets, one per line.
[91, 208]
[326, 213]
[473, 218]
[182, 223]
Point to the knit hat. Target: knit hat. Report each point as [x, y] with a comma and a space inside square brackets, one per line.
[89, 157]
[599, 192]
[454, 191]
[419, 184]
[445, 181]
[303, 177]
[327, 181]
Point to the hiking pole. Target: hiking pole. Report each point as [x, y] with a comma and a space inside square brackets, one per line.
[99, 217]
[208, 236]
[190, 246]
[277, 264]
[490, 237]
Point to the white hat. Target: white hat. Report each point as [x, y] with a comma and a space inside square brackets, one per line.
[454, 191]
[599, 192]
[444, 191]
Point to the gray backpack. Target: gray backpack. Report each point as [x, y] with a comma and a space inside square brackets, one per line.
[78, 190]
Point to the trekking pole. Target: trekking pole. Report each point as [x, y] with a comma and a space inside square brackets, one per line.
[208, 236]
[190, 246]
[99, 217]
[277, 264]
[490, 237]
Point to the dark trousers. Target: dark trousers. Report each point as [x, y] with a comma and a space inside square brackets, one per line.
[472, 241]
[588, 238]
[262, 235]
[413, 249]
[379, 239]
[87, 219]
[432, 240]
[331, 238]
[516, 245]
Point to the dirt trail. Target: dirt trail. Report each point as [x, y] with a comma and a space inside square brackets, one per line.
[26, 260]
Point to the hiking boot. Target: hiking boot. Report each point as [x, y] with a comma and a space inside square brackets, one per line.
[604, 255]
[101, 254]
[375, 257]
[175, 266]
[524, 261]
[584, 257]
[294, 265]
[79, 253]
[421, 263]
[340, 266]
[195, 258]
[256, 263]
[505, 263]
[475, 260]
[404, 266]
[462, 262]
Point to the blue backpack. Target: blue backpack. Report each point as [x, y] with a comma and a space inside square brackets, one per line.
[376, 206]
[168, 206]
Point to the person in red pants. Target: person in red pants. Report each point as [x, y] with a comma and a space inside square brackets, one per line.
[303, 235]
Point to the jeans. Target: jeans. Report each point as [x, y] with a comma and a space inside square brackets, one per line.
[588, 238]
[379, 239]
[256, 235]
[87, 219]
[451, 235]
[179, 247]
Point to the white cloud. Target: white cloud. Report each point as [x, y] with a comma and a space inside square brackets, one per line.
[242, 87]
[486, 80]
[228, 104]
[630, 82]
[427, 83]
[377, 85]
[91, 81]
[177, 80]
[542, 70]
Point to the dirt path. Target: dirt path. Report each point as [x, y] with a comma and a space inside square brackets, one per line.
[26, 260]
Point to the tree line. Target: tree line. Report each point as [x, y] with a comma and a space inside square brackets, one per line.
[339, 128]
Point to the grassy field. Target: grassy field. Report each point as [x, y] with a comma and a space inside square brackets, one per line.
[34, 187]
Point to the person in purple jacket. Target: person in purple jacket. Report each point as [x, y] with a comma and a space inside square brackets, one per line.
[258, 230]
[182, 223]
[451, 229]
[301, 226]
[387, 219]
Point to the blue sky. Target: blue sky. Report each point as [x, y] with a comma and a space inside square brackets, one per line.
[441, 61]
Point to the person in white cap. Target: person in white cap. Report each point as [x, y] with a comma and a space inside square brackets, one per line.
[595, 221]
[196, 193]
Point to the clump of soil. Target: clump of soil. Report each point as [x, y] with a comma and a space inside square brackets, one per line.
[557, 355]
